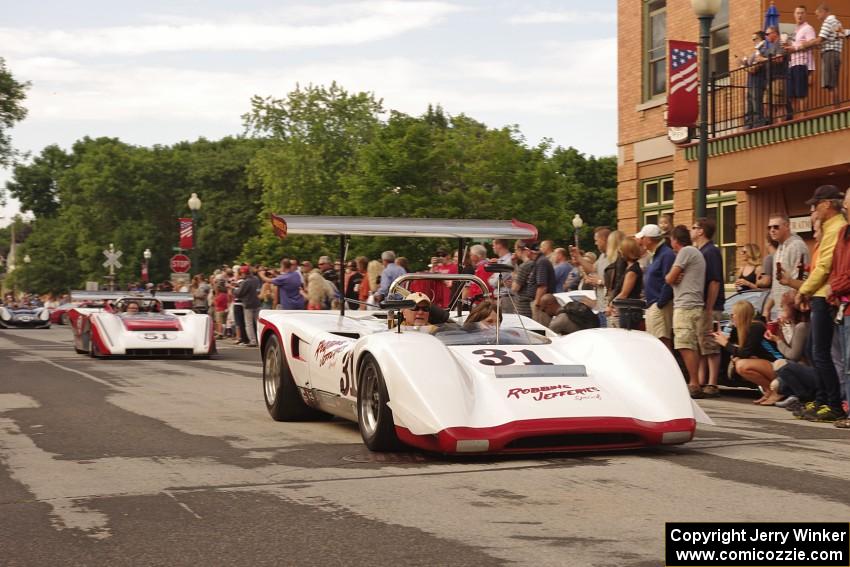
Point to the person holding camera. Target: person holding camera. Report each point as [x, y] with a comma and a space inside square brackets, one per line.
[288, 284]
[751, 357]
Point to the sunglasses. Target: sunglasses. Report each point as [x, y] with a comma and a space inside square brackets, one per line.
[421, 308]
[773, 227]
[696, 227]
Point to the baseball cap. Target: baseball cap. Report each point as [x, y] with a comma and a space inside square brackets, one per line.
[418, 297]
[650, 231]
[825, 192]
[244, 270]
[533, 246]
[324, 260]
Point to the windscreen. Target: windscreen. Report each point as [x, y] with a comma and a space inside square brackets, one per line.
[486, 335]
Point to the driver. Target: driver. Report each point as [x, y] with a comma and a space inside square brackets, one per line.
[132, 307]
[419, 315]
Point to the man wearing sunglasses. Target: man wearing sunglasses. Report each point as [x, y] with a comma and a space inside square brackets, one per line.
[419, 315]
[790, 254]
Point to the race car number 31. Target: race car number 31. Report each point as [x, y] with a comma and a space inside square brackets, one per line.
[497, 357]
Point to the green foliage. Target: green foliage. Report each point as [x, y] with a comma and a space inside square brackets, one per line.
[35, 185]
[318, 151]
[12, 95]
[105, 191]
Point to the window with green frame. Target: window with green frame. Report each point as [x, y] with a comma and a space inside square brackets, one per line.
[656, 197]
[721, 206]
[655, 48]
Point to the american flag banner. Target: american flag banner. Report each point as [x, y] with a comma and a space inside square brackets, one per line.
[682, 95]
[186, 234]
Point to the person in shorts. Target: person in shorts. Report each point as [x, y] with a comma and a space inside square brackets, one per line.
[220, 302]
[687, 278]
[659, 295]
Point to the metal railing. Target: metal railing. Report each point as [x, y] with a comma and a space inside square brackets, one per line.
[754, 96]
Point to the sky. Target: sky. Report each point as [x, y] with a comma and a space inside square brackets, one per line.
[160, 72]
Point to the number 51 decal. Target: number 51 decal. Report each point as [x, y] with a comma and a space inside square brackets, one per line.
[496, 357]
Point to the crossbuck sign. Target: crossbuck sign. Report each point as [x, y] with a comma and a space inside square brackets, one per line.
[112, 256]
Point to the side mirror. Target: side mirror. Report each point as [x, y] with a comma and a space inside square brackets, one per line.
[494, 268]
[397, 304]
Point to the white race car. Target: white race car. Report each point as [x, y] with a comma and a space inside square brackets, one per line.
[139, 325]
[517, 387]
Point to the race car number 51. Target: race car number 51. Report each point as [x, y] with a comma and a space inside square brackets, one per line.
[496, 357]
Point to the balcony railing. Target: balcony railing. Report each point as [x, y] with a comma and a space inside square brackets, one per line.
[759, 95]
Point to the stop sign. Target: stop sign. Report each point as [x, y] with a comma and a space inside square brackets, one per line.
[180, 263]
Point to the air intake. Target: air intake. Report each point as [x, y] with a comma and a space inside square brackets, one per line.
[575, 441]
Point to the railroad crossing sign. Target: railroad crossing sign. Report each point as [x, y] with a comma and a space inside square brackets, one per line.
[112, 256]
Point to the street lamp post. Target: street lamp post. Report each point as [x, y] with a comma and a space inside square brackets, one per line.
[577, 224]
[27, 261]
[705, 11]
[194, 206]
[146, 274]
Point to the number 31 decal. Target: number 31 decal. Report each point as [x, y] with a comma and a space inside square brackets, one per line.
[496, 357]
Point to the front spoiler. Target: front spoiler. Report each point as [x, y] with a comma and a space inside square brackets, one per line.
[570, 434]
[25, 324]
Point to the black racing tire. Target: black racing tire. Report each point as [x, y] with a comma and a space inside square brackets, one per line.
[283, 399]
[93, 350]
[374, 416]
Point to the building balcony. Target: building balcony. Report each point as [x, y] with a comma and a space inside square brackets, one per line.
[752, 106]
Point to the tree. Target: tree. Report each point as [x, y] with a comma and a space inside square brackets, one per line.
[105, 191]
[12, 95]
[312, 141]
[36, 185]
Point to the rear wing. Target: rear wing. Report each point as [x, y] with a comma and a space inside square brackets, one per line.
[345, 227]
[411, 227]
[82, 295]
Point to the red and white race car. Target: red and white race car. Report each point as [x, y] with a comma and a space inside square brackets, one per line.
[138, 325]
[451, 387]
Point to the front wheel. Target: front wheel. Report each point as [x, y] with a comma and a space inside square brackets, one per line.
[374, 416]
[283, 400]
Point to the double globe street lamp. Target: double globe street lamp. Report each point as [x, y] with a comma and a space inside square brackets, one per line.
[705, 11]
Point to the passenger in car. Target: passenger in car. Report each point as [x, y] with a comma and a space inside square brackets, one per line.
[132, 308]
[482, 315]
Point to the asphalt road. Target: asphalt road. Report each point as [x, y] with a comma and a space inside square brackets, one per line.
[156, 462]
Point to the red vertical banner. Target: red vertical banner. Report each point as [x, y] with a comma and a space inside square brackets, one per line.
[186, 234]
[145, 276]
[682, 92]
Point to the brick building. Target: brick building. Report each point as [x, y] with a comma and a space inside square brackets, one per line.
[754, 169]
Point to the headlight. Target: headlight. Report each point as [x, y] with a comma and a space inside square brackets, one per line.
[44, 315]
[4, 314]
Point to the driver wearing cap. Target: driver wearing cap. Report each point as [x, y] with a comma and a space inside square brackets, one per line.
[419, 315]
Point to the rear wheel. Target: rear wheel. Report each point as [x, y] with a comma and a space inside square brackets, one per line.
[283, 400]
[374, 416]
